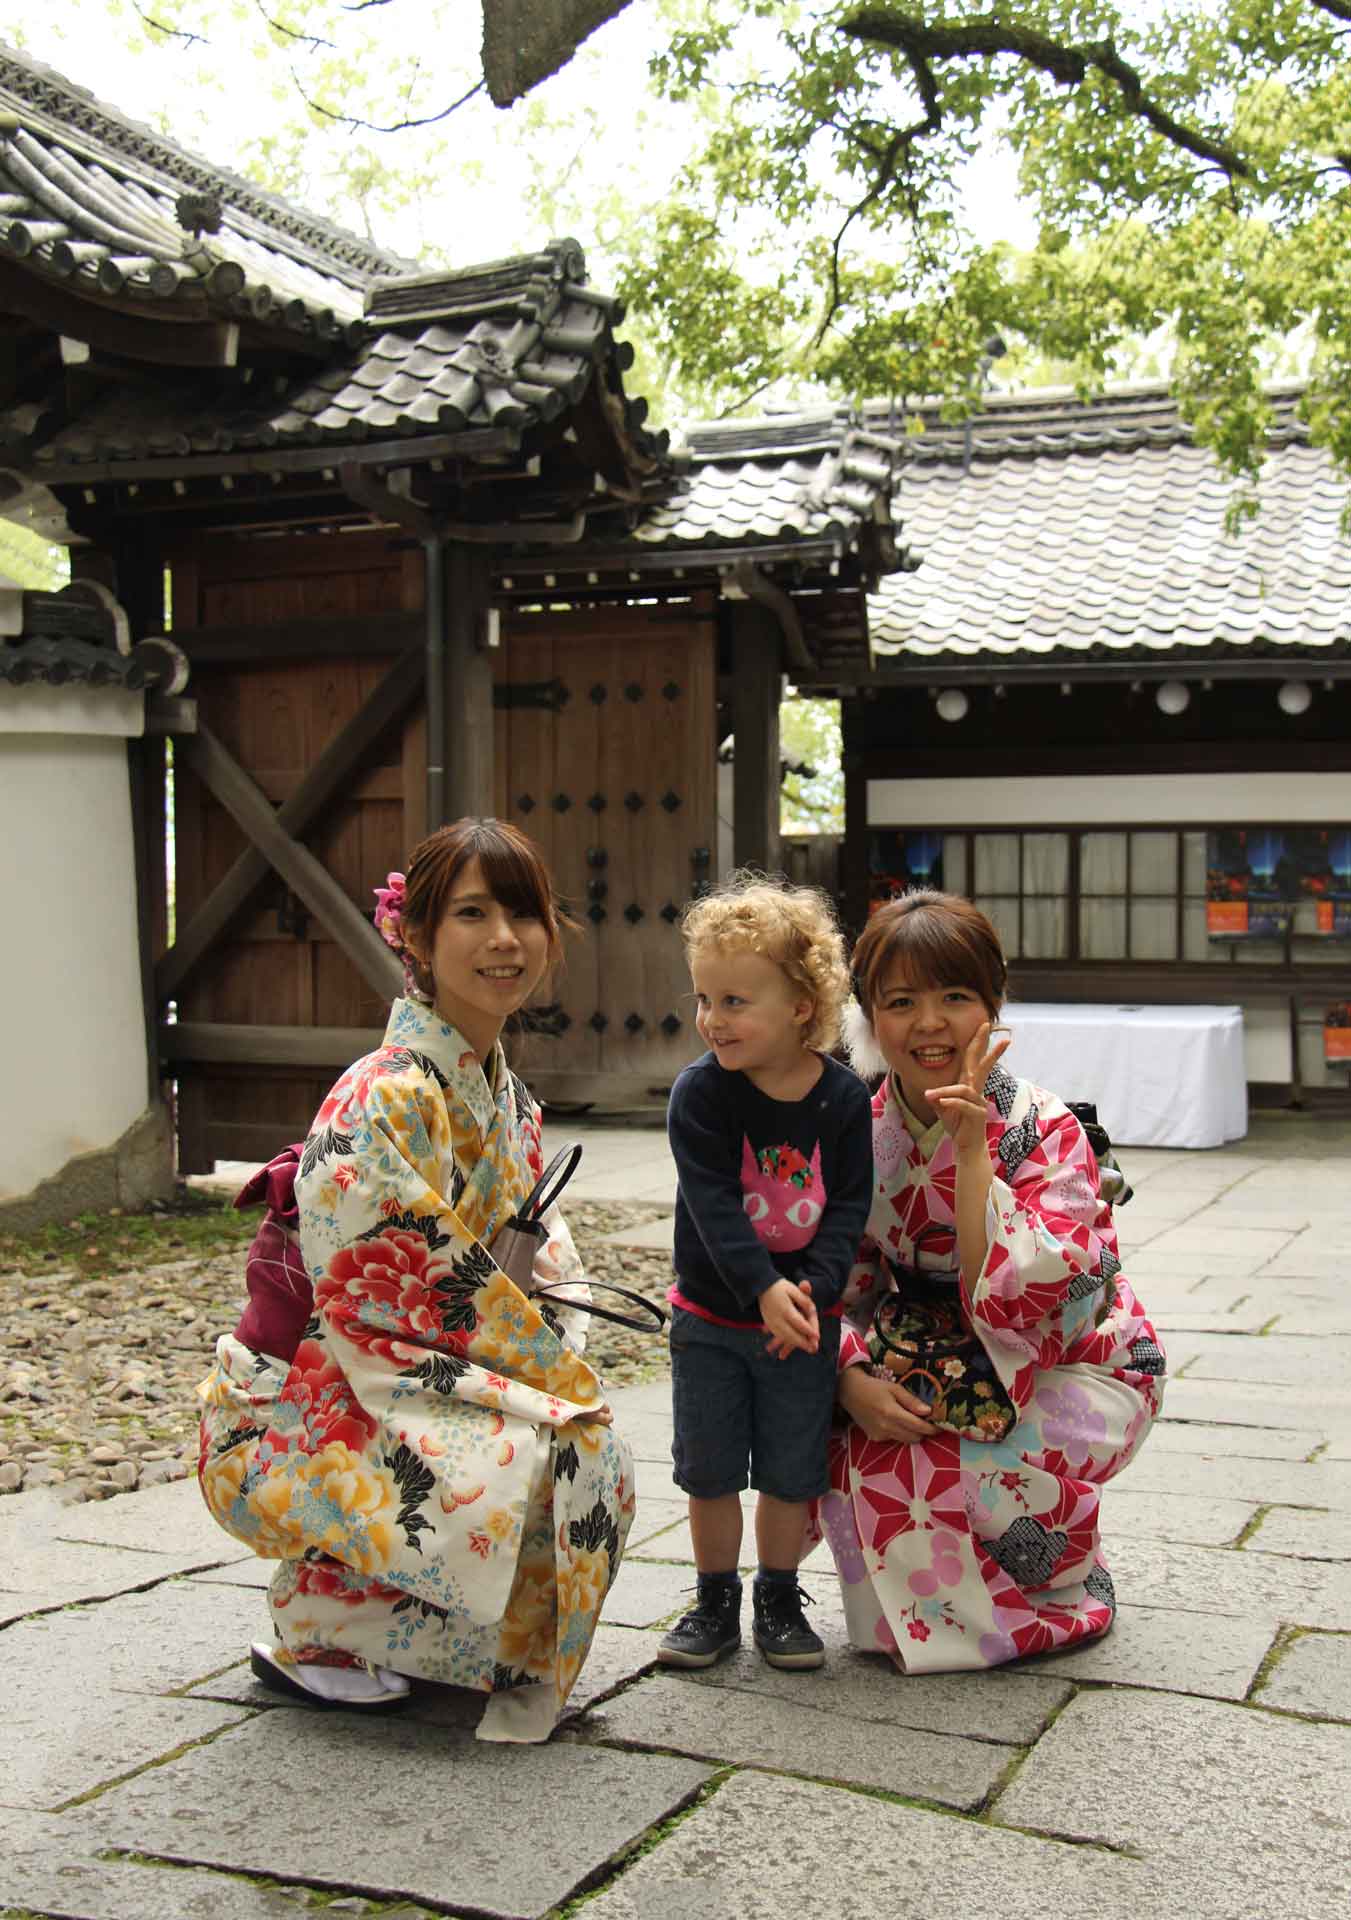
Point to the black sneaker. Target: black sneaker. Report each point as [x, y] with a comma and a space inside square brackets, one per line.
[710, 1629]
[781, 1630]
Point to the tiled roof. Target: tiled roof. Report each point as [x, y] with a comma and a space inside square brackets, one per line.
[797, 478]
[513, 344]
[1097, 528]
[79, 637]
[103, 205]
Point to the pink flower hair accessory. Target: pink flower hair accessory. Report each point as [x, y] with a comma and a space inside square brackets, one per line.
[390, 901]
[390, 904]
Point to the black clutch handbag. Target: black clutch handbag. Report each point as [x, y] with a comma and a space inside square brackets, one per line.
[919, 1339]
[519, 1239]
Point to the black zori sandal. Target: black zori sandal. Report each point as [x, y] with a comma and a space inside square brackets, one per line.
[352, 1689]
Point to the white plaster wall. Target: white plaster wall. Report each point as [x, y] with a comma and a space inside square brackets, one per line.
[72, 1031]
[1132, 800]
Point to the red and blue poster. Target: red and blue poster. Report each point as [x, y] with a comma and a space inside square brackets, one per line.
[1324, 855]
[1252, 882]
[898, 861]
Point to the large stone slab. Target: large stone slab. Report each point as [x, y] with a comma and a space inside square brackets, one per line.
[387, 1807]
[1216, 1582]
[1177, 1652]
[1302, 1534]
[657, 1233]
[47, 1867]
[1318, 1371]
[163, 1520]
[808, 1735]
[58, 1740]
[766, 1849]
[1010, 1705]
[1313, 1676]
[154, 1642]
[1192, 1517]
[1213, 1439]
[1192, 1240]
[1246, 1811]
[1156, 1469]
[1232, 1403]
[58, 1573]
[248, 1572]
[648, 1593]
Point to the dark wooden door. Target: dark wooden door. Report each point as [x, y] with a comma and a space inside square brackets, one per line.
[606, 755]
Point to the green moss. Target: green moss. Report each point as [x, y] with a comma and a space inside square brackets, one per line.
[1250, 1526]
[618, 1863]
[197, 1226]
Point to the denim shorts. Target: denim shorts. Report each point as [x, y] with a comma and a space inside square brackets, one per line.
[744, 1418]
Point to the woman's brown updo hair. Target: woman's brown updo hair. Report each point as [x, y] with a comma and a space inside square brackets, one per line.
[940, 939]
[513, 871]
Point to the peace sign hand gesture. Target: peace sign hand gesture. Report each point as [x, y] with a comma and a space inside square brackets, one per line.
[961, 1107]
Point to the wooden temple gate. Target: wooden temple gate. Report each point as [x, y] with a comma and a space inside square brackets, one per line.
[308, 679]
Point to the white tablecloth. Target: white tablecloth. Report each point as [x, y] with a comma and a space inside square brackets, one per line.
[1159, 1076]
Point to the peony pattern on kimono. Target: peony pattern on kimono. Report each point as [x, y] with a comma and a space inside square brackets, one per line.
[424, 1438]
[955, 1552]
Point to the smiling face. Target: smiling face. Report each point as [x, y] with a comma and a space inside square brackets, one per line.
[748, 1013]
[924, 1033]
[486, 959]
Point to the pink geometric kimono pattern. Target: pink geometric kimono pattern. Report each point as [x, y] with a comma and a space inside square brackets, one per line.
[959, 1552]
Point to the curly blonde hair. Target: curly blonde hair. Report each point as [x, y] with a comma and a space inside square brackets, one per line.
[795, 927]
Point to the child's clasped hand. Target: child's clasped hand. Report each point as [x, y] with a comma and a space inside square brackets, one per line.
[789, 1314]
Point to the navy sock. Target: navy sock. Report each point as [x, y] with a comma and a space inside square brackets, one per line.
[776, 1576]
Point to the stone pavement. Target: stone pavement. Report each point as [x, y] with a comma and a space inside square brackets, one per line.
[1198, 1762]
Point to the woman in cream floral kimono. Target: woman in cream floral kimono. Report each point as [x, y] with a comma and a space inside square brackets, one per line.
[432, 1462]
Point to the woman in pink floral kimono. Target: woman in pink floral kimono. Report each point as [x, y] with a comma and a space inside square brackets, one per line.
[964, 1507]
[429, 1456]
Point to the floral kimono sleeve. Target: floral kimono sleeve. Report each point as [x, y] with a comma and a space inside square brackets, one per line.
[868, 1277]
[558, 1263]
[1049, 1230]
[400, 1280]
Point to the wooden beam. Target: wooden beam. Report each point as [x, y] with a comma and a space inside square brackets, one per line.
[755, 725]
[206, 1043]
[163, 341]
[317, 792]
[363, 634]
[472, 444]
[302, 872]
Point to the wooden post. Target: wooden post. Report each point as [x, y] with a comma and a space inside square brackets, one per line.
[756, 688]
[466, 745]
[854, 849]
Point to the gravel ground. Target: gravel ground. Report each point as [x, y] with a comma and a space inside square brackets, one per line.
[107, 1325]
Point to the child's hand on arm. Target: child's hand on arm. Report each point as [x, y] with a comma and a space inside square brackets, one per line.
[789, 1314]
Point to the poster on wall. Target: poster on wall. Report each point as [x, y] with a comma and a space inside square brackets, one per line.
[1337, 1034]
[1324, 859]
[898, 860]
[1252, 881]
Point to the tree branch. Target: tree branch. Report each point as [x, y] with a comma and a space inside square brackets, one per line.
[1068, 66]
[171, 33]
[280, 28]
[1339, 9]
[396, 126]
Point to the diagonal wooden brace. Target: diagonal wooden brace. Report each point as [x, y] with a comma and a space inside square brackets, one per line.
[324, 784]
[250, 807]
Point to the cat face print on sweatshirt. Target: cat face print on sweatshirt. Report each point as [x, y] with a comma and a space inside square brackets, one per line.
[783, 1194]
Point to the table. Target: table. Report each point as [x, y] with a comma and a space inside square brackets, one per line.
[1159, 1076]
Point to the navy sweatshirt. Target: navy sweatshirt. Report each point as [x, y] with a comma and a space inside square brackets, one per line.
[769, 1189]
